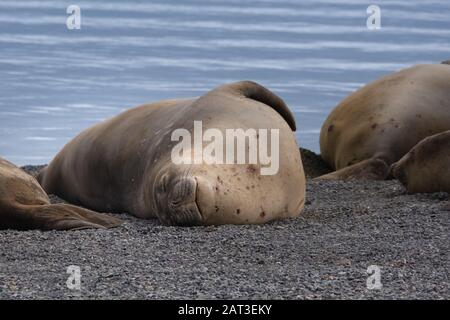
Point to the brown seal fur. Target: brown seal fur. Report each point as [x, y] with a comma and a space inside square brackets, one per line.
[124, 164]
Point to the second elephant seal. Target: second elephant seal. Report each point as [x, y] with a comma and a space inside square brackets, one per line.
[378, 124]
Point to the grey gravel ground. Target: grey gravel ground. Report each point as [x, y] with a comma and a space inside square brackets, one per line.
[325, 253]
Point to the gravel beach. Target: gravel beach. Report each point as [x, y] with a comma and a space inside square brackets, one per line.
[345, 228]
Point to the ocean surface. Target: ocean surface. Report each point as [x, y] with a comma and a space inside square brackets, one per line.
[55, 82]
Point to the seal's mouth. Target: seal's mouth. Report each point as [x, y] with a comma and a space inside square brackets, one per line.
[179, 206]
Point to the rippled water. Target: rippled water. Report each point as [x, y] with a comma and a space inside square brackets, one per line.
[56, 82]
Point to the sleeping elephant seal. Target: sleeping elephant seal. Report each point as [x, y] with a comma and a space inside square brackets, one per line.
[24, 205]
[426, 168]
[134, 163]
[378, 124]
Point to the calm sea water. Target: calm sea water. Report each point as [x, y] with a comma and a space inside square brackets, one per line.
[56, 82]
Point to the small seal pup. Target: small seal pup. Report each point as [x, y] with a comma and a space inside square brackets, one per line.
[426, 168]
[379, 123]
[24, 205]
[126, 164]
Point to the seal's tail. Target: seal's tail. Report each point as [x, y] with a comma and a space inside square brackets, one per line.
[257, 92]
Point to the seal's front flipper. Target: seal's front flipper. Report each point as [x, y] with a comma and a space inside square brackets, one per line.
[370, 169]
[58, 217]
